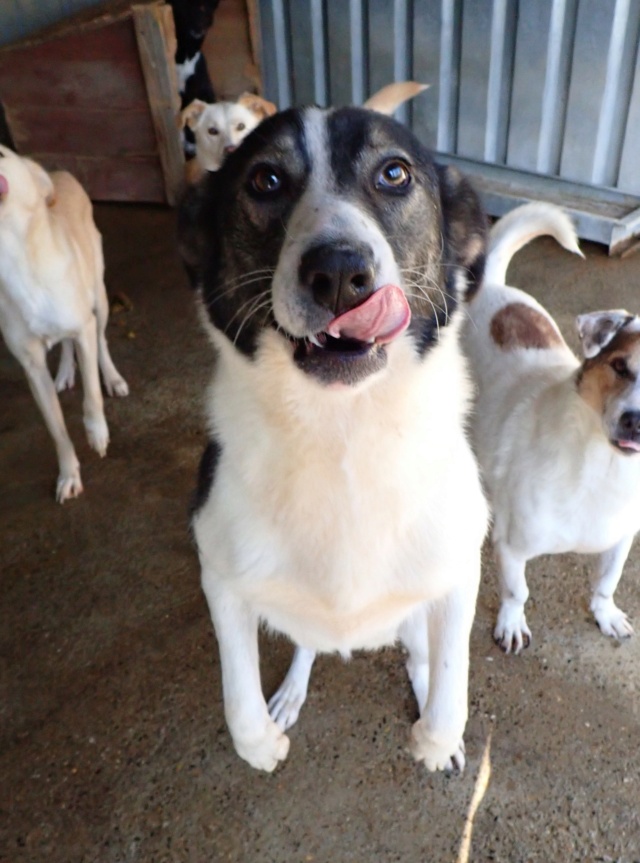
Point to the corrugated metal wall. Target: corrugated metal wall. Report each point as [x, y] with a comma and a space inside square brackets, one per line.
[543, 93]
[20, 18]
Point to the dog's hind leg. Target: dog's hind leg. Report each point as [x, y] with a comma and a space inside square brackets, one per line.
[511, 631]
[66, 376]
[611, 619]
[284, 706]
[256, 736]
[34, 361]
[413, 634]
[114, 383]
[93, 405]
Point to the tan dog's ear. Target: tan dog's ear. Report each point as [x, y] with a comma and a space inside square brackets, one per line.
[386, 101]
[189, 116]
[257, 105]
[43, 181]
[597, 329]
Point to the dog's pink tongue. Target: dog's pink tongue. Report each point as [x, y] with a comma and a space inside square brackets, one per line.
[4, 186]
[382, 317]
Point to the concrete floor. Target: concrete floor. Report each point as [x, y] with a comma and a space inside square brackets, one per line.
[114, 747]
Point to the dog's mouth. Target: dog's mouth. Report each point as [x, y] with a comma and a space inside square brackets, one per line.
[628, 447]
[353, 346]
[4, 187]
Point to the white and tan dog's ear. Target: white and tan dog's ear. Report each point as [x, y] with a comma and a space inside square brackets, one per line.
[42, 180]
[257, 105]
[190, 115]
[386, 100]
[597, 329]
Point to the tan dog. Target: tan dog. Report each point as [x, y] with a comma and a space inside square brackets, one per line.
[52, 289]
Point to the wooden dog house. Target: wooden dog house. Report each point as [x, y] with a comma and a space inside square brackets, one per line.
[97, 95]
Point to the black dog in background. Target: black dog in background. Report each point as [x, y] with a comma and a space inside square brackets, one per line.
[192, 19]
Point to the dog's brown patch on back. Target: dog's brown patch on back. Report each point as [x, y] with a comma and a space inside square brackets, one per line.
[521, 326]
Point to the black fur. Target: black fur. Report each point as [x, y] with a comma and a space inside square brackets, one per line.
[192, 19]
[206, 476]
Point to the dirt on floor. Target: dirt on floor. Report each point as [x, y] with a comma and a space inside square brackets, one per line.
[113, 741]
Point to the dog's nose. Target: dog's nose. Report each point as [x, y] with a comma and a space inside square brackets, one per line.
[339, 277]
[629, 425]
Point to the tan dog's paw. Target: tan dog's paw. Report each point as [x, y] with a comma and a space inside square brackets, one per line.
[68, 486]
[265, 752]
[437, 752]
[97, 435]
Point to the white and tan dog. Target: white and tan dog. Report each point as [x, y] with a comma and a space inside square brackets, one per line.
[558, 440]
[219, 127]
[52, 289]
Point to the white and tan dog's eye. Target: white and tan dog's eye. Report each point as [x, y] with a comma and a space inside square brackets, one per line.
[620, 367]
[394, 175]
[213, 131]
[240, 127]
[265, 180]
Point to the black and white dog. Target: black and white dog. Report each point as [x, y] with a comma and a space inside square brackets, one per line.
[192, 20]
[338, 499]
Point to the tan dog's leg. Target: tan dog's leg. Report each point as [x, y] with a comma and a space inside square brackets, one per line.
[32, 356]
[93, 406]
[66, 376]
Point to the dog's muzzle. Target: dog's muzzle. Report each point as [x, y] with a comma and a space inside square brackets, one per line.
[352, 346]
[627, 435]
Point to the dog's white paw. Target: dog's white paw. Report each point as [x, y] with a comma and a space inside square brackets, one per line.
[611, 619]
[69, 485]
[116, 386]
[97, 434]
[66, 378]
[284, 706]
[511, 632]
[436, 751]
[266, 751]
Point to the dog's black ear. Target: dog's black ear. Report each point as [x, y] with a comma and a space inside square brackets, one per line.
[191, 227]
[465, 227]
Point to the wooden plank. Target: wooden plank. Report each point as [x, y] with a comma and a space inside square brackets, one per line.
[90, 132]
[112, 178]
[152, 24]
[97, 66]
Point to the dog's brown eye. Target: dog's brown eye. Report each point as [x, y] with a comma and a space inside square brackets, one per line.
[212, 130]
[394, 175]
[620, 367]
[240, 127]
[265, 180]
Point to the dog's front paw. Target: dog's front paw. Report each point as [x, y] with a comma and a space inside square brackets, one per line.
[266, 751]
[97, 434]
[511, 632]
[611, 619]
[69, 485]
[437, 751]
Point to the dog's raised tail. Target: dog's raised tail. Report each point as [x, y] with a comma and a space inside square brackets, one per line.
[519, 227]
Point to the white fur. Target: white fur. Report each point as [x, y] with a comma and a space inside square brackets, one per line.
[52, 289]
[219, 128]
[554, 481]
[343, 516]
